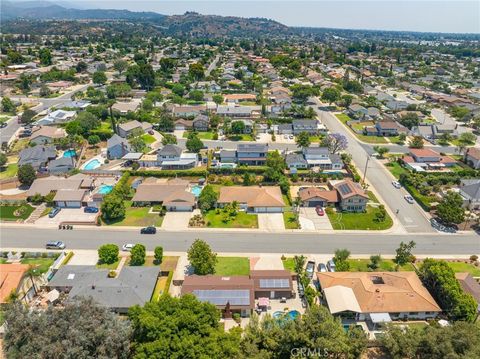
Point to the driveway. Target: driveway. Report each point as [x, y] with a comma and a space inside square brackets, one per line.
[310, 220]
[271, 221]
[177, 220]
[84, 258]
[68, 215]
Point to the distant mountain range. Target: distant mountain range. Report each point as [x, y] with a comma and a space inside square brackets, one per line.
[188, 24]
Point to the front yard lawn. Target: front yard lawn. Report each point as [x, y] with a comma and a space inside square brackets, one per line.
[372, 139]
[149, 139]
[465, 267]
[201, 135]
[241, 137]
[358, 221]
[8, 171]
[396, 169]
[228, 266]
[386, 265]
[41, 264]
[369, 139]
[242, 220]
[112, 266]
[344, 118]
[289, 220]
[137, 217]
[169, 263]
[14, 213]
[289, 264]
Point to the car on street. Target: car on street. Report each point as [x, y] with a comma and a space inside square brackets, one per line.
[3, 125]
[409, 198]
[90, 210]
[322, 268]
[319, 211]
[310, 268]
[55, 245]
[148, 230]
[53, 212]
[396, 184]
[290, 137]
[127, 247]
[150, 132]
[331, 265]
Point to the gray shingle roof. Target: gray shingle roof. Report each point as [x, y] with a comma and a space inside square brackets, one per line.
[37, 155]
[116, 140]
[252, 147]
[170, 150]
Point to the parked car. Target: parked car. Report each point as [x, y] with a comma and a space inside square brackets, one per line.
[331, 265]
[150, 132]
[409, 198]
[127, 247]
[53, 212]
[290, 137]
[319, 211]
[55, 245]
[322, 268]
[3, 125]
[396, 184]
[310, 268]
[148, 230]
[90, 210]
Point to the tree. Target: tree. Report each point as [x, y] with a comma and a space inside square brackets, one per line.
[303, 140]
[181, 327]
[450, 209]
[299, 264]
[44, 91]
[93, 140]
[347, 100]
[467, 138]
[341, 260]
[196, 95]
[208, 198]
[416, 142]
[27, 116]
[194, 144]
[381, 150]
[3, 159]
[331, 95]
[137, 143]
[26, 174]
[158, 254]
[120, 65]
[167, 64]
[196, 71]
[85, 122]
[82, 329]
[238, 127]
[202, 258]
[374, 262]
[404, 253]
[113, 207]
[275, 167]
[335, 142]
[8, 105]
[99, 77]
[137, 255]
[108, 253]
[45, 56]
[218, 99]
[410, 120]
[81, 66]
[146, 76]
[169, 139]
[178, 89]
[25, 83]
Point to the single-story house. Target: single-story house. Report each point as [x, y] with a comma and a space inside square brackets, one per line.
[472, 157]
[310, 126]
[47, 134]
[127, 128]
[469, 285]
[378, 297]
[56, 117]
[421, 159]
[188, 111]
[182, 124]
[13, 280]
[174, 194]
[389, 128]
[126, 107]
[37, 156]
[69, 198]
[273, 284]
[266, 199]
[239, 97]
[357, 111]
[296, 161]
[201, 123]
[315, 196]
[469, 189]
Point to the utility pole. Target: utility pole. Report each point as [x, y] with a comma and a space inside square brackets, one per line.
[366, 167]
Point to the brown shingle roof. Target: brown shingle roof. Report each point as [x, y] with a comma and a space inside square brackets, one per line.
[308, 193]
[10, 278]
[268, 196]
[354, 189]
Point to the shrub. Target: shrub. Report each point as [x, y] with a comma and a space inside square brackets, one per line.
[158, 255]
[138, 254]
[108, 253]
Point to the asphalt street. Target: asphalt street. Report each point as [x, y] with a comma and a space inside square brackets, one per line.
[244, 241]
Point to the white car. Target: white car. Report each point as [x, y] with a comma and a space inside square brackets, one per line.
[396, 184]
[409, 199]
[291, 137]
[127, 247]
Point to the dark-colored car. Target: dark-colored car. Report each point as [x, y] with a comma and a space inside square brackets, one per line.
[55, 245]
[3, 125]
[90, 210]
[310, 268]
[53, 212]
[148, 230]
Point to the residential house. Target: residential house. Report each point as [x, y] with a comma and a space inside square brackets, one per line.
[422, 159]
[13, 280]
[117, 147]
[469, 189]
[239, 111]
[312, 127]
[124, 107]
[47, 134]
[472, 157]
[56, 117]
[201, 123]
[396, 105]
[322, 158]
[469, 285]
[45, 185]
[61, 165]
[69, 198]
[252, 154]
[239, 97]
[377, 297]
[296, 161]
[182, 124]
[132, 285]
[174, 194]
[352, 197]
[188, 111]
[78, 105]
[37, 156]
[228, 156]
[128, 128]
[389, 128]
[173, 157]
[357, 111]
[256, 199]
[273, 284]
[316, 196]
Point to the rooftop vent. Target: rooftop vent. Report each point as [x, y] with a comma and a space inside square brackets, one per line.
[377, 280]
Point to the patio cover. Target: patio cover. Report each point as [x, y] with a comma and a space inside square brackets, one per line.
[341, 299]
[380, 317]
[263, 302]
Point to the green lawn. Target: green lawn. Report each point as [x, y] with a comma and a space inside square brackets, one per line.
[369, 139]
[149, 139]
[7, 213]
[289, 264]
[201, 135]
[465, 267]
[396, 169]
[41, 264]
[112, 266]
[372, 197]
[227, 266]
[315, 139]
[358, 221]
[160, 288]
[20, 145]
[137, 216]
[386, 265]
[9, 171]
[241, 137]
[396, 140]
[289, 220]
[4, 118]
[344, 118]
[242, 220]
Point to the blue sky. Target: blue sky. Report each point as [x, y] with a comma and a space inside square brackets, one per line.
[429, 15]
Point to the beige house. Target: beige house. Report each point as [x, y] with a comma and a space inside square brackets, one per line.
[47, 134]
[266, 199]
[352, 197]
[174, 194]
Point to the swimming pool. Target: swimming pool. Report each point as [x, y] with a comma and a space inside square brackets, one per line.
[69, 153]
[92, 164]
[196, 190]
[228, 165]
[105, 189]
[291, 315]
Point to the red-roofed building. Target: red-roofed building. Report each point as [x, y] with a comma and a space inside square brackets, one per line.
[422, 159]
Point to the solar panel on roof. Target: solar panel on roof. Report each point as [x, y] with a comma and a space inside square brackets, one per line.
[274, 283]
[344, 189]
[222, 297]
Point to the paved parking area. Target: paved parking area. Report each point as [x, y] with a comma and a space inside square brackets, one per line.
[266, 262]
[271, 221]
[85, 258]
[178, 220]
[70, 215]
[310, 220]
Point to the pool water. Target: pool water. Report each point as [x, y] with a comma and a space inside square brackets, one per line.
[69, 153]
[92, 164]
[291, 315]
[105, 189]
[196, 190]
[227, 165]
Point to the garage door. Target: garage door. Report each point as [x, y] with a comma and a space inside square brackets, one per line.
[315, 203]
